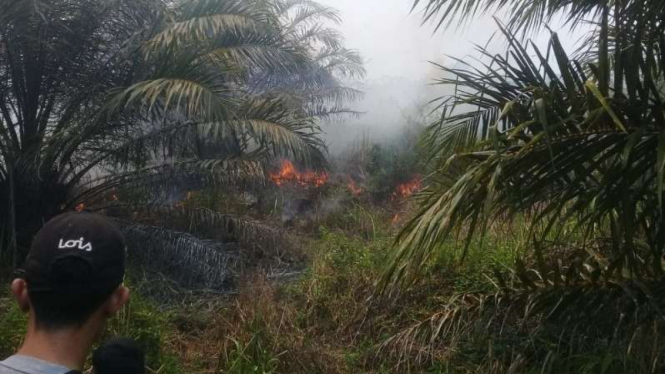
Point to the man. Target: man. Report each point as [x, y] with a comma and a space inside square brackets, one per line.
[72, 285]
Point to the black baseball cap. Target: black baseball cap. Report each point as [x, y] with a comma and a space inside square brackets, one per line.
[76, 253]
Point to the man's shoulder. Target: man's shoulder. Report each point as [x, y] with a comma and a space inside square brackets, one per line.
[6, 368]
[29, 365]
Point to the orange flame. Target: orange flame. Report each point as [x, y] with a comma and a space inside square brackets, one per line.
[407, 189]
[354, 188]
[80, 207]
[288, 173]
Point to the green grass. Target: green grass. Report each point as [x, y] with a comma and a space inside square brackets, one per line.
[333, 309]
[337, 325]
[12, 324]
[142, 322]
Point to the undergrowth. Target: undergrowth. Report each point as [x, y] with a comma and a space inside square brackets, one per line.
[12, 324]
[456, 318]
[330, 320]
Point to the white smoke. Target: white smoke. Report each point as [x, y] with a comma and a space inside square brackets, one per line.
[398, 51]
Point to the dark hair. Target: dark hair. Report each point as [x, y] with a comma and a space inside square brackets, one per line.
[57, 309]
[119, 355]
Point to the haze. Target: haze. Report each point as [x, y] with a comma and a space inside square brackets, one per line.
[398, 50]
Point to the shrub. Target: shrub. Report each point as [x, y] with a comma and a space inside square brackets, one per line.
[142, 322]
[12, 325]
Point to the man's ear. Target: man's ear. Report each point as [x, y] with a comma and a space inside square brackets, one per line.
[20, 292]
[118, 298]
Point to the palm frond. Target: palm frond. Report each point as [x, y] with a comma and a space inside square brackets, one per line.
[203, 20]
[257, 56]
[274, 128]
[577, 313]
[524, 14]
[328, 113]
[198, 99]
[303, 13]
[156, 185]
[191, 261]
[341, 62]
[142, 95]
[330, 38]
[249, 233]
[538, 141]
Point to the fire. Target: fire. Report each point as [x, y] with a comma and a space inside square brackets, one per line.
[288, 173]
[80, 207]
[407, 189]
[354, 188]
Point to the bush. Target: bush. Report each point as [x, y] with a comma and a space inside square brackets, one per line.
[12, 325]
[142, 322]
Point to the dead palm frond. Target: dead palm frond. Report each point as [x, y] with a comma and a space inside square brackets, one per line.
[165, 247]
[185, 258]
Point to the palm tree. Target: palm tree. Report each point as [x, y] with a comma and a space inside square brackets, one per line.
[564, 139]
[569, 143]
[100, 96]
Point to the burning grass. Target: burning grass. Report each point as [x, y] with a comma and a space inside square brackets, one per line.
[288, 173]
[407, 189]
[354, 188]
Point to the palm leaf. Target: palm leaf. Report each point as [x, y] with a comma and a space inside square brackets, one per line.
[532, 145]
[524, 14]
[191, 261]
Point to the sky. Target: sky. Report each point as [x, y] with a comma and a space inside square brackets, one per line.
[397, 50]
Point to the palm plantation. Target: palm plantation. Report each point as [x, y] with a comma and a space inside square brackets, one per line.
[536, 244]
[101, 96]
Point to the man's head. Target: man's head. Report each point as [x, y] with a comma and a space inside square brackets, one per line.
[119, 355]
[74, 271]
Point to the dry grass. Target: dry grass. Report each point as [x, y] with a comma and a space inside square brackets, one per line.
[325, 322]
[259, 330]
[328, 319]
